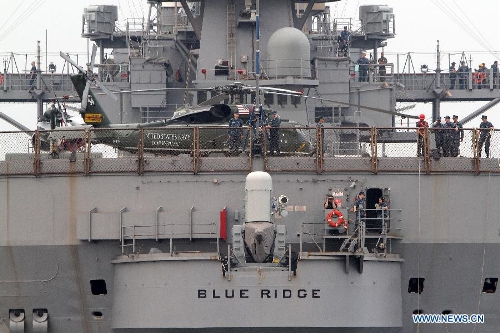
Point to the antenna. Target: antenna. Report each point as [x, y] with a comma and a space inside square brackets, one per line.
[257, 55]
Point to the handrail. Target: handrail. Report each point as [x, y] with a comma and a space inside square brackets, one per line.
[205, 149]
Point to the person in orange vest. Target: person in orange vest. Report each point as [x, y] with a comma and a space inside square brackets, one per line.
[480, 76]
[422, 126]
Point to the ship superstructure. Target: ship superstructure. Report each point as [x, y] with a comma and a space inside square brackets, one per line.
[209, 44]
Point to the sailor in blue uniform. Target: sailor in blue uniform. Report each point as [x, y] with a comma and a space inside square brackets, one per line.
[382, 212]
[344, 37]
[458, 136]
[438, 135]
[484, 136]
[359, 207]
[235, 133]
[363, 67]
[448, 137]
[274, 134]
[463, 73]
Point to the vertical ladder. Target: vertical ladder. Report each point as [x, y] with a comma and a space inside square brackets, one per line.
[231, 38]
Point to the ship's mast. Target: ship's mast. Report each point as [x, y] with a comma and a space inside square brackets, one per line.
[39, 102]
[257, 56]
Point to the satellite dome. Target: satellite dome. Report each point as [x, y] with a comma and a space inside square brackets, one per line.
[288, 53]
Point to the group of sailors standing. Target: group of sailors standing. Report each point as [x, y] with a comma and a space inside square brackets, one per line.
[448, 140]
[478, 77]
[258, 123]
[449, 135]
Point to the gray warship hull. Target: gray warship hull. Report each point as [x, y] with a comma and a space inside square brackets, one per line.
[52, 261]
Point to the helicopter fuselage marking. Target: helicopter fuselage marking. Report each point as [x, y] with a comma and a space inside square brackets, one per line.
[93, 118]
[168, 139]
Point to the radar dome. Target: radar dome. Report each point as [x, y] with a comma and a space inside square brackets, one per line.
[288, 53]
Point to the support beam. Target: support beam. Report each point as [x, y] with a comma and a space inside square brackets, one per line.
[482, 109]
[196, 22]
[298, 23]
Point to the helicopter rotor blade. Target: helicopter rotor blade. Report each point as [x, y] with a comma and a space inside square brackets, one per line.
[215, 99]
[106, 90]
[85, 96]
[92, 58]
[71, 61]
[394, 113]
[280, 91]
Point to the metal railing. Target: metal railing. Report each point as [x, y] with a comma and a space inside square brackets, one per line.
[56, 82]
[132, 235]
[215, 149]
[373, 231]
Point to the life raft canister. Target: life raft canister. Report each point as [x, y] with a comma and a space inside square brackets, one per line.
[340, 218]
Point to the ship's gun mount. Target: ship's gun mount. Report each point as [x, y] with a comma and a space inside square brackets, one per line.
[259, 239]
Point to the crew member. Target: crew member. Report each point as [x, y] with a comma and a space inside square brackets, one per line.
[235, 133]
[448, 136]
[344, 42]
[463, 73]
[438, 135]
[453, 75]
[330, 203]
[381, 68]
[32, 75]
[382, 212]
[480, 76]
[458, 136]
[485, 135]
[274, 134]
[359, 208]
[363, 67]
[494, 70]
[422, 126]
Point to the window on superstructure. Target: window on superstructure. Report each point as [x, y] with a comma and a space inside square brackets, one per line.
[325, 112]
[416, 285]
[296, 100]
[282, 100]
[418, 311]
[268, 99]
[98, 287]
[446, 312]
[490, 285]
